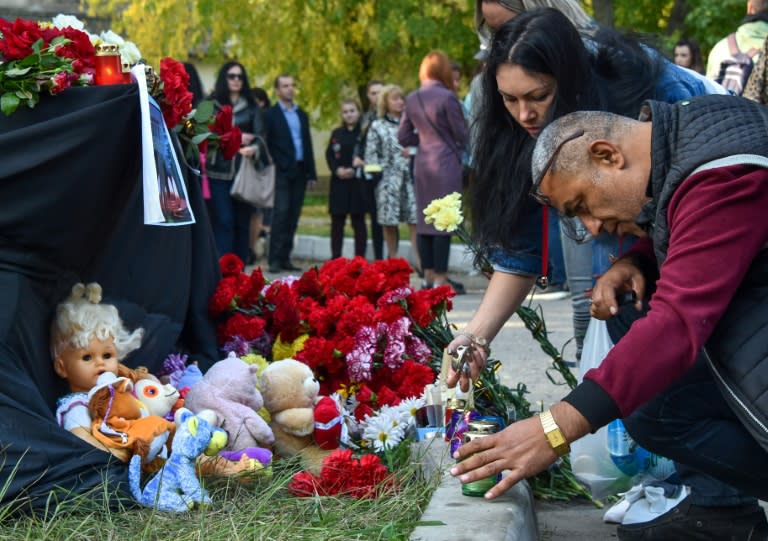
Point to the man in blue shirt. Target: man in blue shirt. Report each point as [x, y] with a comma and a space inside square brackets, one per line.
[290, 144]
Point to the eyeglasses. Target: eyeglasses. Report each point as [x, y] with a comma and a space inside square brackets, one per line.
[233, 76]
[534, 191]
[572, 226]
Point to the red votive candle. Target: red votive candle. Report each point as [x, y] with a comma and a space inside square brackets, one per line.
[126, 67]
[109, 70]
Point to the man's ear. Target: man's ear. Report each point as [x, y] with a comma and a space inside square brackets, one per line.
[605, 154]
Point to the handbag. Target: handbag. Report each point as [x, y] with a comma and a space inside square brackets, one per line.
[255, 186]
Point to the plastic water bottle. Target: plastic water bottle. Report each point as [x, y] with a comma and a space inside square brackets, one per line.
[622, 448]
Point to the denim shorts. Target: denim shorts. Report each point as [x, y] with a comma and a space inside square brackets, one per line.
[523, 252]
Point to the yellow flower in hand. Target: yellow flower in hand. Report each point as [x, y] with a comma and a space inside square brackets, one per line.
[445, 213]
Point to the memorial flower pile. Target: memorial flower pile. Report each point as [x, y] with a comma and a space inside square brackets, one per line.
[359, 326]
[39, 58]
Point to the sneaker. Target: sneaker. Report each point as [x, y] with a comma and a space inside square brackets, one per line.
[458, 287]
[686, 522]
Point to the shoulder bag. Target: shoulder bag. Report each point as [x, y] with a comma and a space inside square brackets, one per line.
[255, 186]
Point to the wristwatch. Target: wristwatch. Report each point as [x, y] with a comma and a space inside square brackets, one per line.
[554, 434]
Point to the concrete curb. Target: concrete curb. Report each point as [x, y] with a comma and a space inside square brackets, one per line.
[454, 517]
[315, 248]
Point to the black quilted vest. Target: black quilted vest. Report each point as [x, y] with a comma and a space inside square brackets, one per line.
[686, 136]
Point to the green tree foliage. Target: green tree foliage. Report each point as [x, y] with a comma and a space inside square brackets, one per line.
[705, 21]
[332, 47]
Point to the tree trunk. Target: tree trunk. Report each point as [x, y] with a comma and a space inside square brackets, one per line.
[604, 12]
[677, 17]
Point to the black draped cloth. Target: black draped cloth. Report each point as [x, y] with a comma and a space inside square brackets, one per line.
[71, 210]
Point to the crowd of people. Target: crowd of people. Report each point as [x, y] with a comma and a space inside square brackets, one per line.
[594, 215]
[382, 164]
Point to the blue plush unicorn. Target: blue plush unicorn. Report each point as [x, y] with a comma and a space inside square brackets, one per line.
[176, 486]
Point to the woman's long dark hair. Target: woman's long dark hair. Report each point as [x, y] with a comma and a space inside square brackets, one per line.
[221, 90]
[610, 73]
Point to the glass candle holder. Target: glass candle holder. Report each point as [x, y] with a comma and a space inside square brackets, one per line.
[126, 68]
[109, 70]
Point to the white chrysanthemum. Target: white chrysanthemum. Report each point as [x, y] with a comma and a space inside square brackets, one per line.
[408, 408]
[129, 53]
[111, 37]
[63, 21]
[383, 431]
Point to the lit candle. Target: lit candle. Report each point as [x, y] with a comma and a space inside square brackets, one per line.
[108, 68]
[127, 73]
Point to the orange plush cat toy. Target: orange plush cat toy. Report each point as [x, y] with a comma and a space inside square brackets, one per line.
[118, 422]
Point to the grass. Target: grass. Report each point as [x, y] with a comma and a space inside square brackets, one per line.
[262, 510]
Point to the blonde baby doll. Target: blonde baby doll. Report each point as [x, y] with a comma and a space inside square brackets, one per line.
[88, 339]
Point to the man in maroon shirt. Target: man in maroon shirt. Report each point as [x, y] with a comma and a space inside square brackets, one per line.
[688, 378]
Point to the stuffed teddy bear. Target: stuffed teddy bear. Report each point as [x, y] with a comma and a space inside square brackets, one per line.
[289, 390]
[229, 389]
[118, 421]
[176, 488]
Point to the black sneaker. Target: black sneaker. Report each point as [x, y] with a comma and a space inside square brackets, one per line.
[688, 522]
[458, 287]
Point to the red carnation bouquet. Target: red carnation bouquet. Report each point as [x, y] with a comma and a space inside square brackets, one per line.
[344, 475]
[358, 325]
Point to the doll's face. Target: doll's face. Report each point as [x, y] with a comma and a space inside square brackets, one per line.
[81, 367]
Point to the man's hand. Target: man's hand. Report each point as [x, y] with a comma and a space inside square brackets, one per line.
[476, 356]
[311, 184]
[622, 277]
[522, 448]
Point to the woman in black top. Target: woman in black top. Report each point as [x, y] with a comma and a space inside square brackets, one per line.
[230, 218]
[346, 195]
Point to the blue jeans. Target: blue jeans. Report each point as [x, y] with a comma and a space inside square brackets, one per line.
[606, 245]
[557, 275]
[230, 220]
[691, 423]
[523, 255]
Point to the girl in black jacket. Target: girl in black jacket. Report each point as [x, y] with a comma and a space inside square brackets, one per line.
[346, 196]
